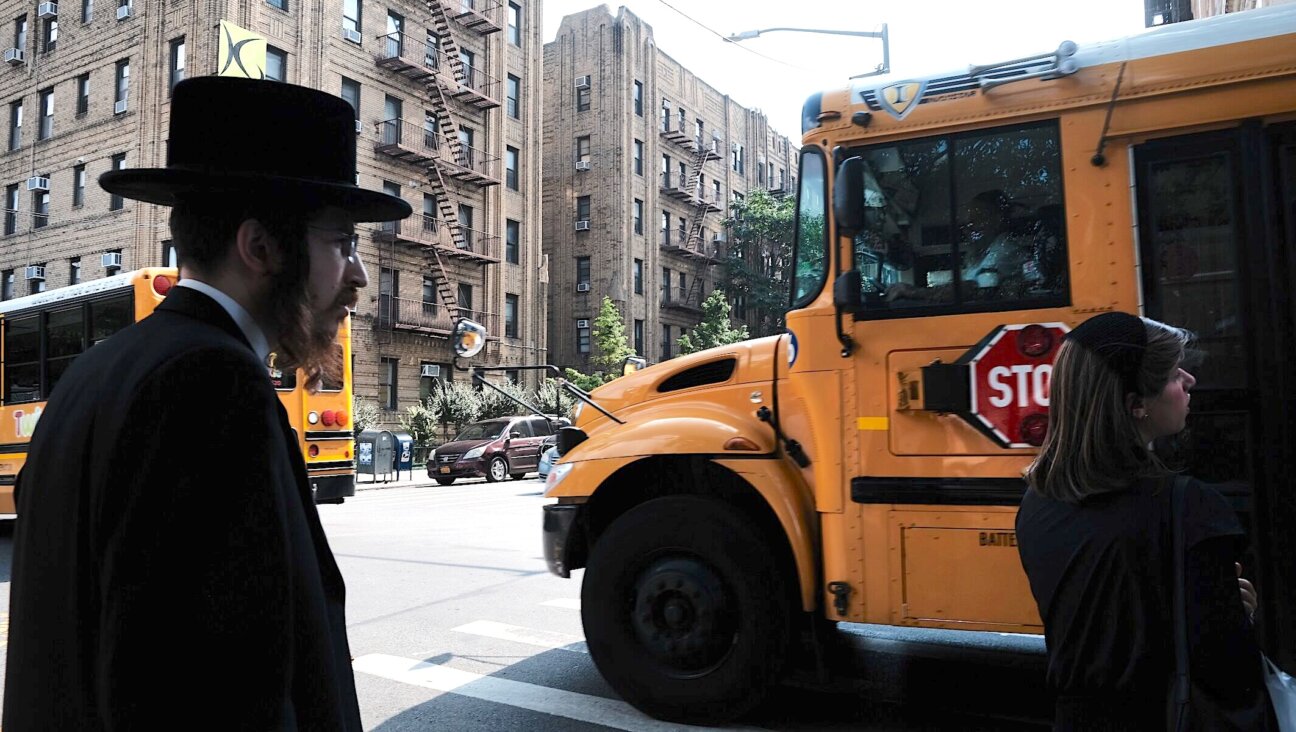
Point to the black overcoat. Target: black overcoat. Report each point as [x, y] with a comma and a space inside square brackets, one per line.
[169, 569]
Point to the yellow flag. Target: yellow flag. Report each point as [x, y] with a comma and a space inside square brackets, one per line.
[240, 52]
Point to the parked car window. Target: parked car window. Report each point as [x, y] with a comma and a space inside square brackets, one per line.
[522, 427]
[540, 427]
[483, 430]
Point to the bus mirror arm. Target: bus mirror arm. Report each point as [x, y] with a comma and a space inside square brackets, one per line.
[846, 298]
[790, 446]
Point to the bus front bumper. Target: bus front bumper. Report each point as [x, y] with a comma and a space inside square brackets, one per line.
[559, 520]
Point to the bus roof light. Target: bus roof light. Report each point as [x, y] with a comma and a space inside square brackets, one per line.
[1034, 428]
[1034, 340]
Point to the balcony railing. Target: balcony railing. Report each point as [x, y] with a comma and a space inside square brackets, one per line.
[675, 188]
[427, 230]
[408, 142]
[427, 317]
[481, 16]
[679, 298]
[421, 62]
[678, 242]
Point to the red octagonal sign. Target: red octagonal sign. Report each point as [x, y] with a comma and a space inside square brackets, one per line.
[1010, 372]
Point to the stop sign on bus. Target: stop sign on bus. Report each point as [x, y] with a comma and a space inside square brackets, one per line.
[1010, 372]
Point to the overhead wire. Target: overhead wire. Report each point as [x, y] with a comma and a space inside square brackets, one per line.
[724, 38]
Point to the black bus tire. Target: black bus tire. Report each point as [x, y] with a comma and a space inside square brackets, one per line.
[686, 612]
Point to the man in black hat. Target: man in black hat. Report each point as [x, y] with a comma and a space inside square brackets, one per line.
[169, 568]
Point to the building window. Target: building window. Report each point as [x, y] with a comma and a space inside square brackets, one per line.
[116, 202]
[582, 270]
[177, 61]
[387, 384]
[665, 230]
[638, 337]
[513, 376]
[276, 64]
[40, 208]
[351, 10]
[429, 384]
[666, 171]
[351, 93]
[739, 159]
[512, 93]
[122, 76]
[7, 284]
[78, 185]
[582, 338]
[515, 24]
[583, 149]
[638, 157]
[464, 296]
[83, 94]
[638, 98]
[638, 276]
[393, 110]
[469, 60]
[15, 124]
[583, 208]
[510, 315]
[50, 32]
[11, 209]
[395, 33]
[512, 233]
[74, 271]
[666, 284]
[281, 4]
[466, 224]
[638, 216]
[511, 168]
[20, 33]
[666, 342]
[36, 286]
[169, 256]
[46, 109]
[583, 99]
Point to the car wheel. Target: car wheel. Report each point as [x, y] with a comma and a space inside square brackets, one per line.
[497, 470]
[445, 481]
[686, 609]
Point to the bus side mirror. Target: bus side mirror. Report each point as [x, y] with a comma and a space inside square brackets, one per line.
[846, 291]
[848, 197]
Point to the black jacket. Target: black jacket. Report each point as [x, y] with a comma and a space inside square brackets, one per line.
[169, 568]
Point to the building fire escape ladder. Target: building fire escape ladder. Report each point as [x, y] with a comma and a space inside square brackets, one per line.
[450, 220]
[698, 218]
[449, 48]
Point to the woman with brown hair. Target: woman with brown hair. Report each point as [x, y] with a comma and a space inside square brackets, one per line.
[1094, 534]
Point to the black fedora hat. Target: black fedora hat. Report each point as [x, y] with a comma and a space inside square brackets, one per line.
[258, 140]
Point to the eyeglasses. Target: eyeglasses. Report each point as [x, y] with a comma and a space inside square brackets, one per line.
[347, 242]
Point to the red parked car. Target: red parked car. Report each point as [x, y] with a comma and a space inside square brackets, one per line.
[508, 447]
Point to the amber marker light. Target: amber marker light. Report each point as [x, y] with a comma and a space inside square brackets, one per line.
[741, 443]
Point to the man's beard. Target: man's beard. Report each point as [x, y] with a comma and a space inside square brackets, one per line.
[307, 338]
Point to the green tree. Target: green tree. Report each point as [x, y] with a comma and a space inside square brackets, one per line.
[494, 404]
[715, 328]
[552, 399]
[588, 382]
[456, 404]
[420, 422]
[759, 259]
[610, 342]
[364, 414]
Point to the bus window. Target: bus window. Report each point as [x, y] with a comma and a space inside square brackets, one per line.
[22, 360]
[811, 257]
[969, 222]
[64, 331]
[109, 316]
[282, 379]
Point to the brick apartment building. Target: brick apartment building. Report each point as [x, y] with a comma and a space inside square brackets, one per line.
[448, 115]
[642, 158]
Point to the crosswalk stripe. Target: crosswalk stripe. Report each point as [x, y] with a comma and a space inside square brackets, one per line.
[529, 636]
[571, 603]
[543, 699]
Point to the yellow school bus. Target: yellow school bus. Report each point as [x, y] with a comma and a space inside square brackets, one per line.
[43, 333]
[729, 507]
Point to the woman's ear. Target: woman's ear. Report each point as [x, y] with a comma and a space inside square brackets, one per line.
[1134, 403]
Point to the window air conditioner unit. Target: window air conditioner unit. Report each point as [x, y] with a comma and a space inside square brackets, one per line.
[35, 272]
[37, 183]
[14, 56]
[359, 129]
[124, 12]
[582, 287]
[582, 165]
[351, 35]
[583, 82]
[119, 107]
[734, 147]
[579, 323]
[47, 10]
[111, 259]
[582, 225]
[430, 369]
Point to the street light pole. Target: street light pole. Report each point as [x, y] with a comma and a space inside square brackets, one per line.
[882, 68]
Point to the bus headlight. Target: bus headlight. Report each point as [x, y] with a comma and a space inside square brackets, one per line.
[556, 475]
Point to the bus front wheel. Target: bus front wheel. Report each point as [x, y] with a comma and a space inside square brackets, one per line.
[686, 612]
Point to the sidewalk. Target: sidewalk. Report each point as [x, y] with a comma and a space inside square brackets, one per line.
[405, 479]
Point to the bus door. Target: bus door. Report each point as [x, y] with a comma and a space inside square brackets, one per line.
[1215, 222]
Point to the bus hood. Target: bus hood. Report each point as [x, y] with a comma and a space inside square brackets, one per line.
[748, 362]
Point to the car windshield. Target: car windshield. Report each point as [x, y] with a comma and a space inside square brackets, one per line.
[482, 431]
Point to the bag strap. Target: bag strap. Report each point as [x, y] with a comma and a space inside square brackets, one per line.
[1177, 488]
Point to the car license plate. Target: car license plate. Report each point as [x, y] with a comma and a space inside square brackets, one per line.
[445, 468]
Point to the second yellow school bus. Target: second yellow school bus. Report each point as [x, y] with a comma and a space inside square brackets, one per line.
[41, 334]
[866, 465]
